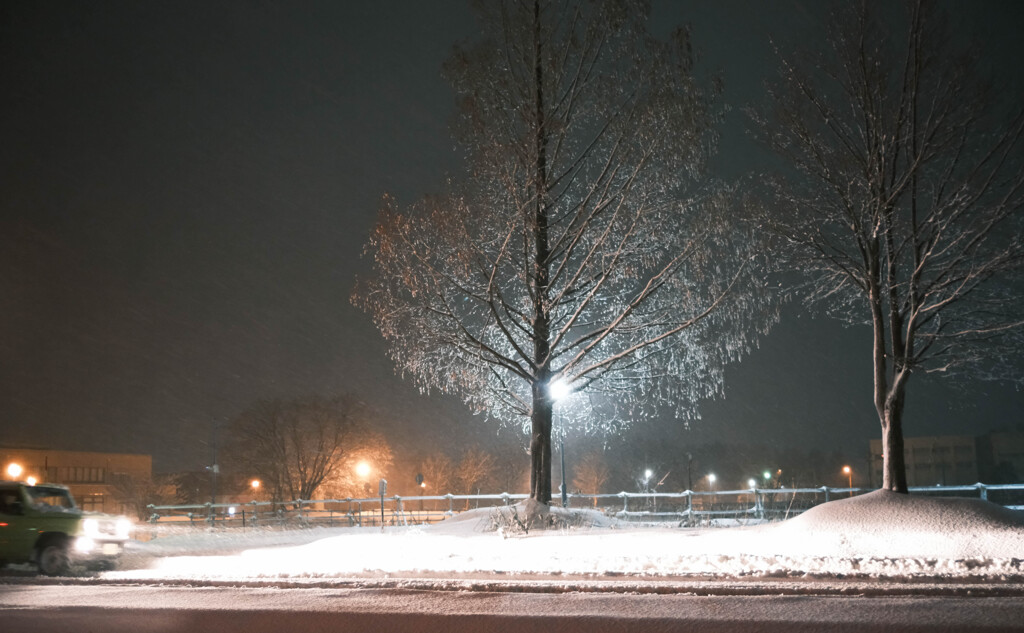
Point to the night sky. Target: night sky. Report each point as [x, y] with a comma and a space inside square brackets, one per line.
[186, 188]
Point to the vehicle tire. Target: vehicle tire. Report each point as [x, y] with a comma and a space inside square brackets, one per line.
[53, 559]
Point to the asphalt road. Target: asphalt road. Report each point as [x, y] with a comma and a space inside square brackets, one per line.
[26, 607]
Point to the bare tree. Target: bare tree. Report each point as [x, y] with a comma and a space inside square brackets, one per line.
[585, 250]
[136, 493]
[475, 467]
[438, 474]
[294, 445]
[903, 198]
[590, 474]
[364, 449]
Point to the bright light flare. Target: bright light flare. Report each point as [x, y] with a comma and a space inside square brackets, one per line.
[31, 481]
[363, 469]
[14, 470]
[559, 390]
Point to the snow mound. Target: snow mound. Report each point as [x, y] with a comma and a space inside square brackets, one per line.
[886, 524]
[881, 534]
[522, 518]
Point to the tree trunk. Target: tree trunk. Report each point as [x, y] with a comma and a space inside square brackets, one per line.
[540, 446]
[540, 441]
[888, 397]
[894, 470]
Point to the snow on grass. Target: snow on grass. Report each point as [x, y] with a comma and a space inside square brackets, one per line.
[880, 534]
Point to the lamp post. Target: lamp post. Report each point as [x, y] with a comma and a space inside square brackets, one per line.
[560, 390]
[849, 477]
[561, 458]
[14, 470]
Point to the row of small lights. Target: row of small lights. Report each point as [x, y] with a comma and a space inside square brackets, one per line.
[752, 483]
[14, 470]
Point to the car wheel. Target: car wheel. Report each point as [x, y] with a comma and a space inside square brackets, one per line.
[53, 560]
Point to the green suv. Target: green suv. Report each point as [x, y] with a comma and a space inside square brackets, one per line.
[40, 524]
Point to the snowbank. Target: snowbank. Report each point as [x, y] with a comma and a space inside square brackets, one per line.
[880, 534]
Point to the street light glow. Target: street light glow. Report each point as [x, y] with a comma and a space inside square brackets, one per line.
[559, 389]
[14, 470]
[648, 473]
[752, 483]
[363, 469]
[31, 481]
[255, 483]
[767, 475]
[712, 478]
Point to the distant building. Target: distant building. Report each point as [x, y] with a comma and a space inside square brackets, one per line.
[953, 460]
[1001, 455]
[935, 460]
[101, 482]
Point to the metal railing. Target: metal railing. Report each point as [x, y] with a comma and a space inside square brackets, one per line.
[687, 508]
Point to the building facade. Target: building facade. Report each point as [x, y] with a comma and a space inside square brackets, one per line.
[101, 482]
[934, 460]
[955, 460]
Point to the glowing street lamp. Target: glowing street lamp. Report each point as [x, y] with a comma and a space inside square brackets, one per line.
[767, 475]
[849, 477]
[31, 481]
[752, 483]
[559, 390]
[363, 469]
[14, 470]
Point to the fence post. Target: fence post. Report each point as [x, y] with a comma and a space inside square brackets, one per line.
[506, 498]
[982, 491]
[689, 506]
[625, 501]
[451, 504]
[826, 489]
[758, 503]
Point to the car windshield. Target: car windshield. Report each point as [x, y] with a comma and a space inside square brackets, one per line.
[50, 499]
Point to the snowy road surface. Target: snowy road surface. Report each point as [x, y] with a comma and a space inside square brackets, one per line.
[29, 608]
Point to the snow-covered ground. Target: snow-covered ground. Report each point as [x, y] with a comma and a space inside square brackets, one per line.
[877, 535]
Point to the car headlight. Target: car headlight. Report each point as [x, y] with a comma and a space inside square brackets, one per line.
[91, 527]
[84, 544]
[123, 527]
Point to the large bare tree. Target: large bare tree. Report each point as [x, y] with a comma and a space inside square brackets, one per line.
[585, 249]
[294, 445]
[902, 199]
